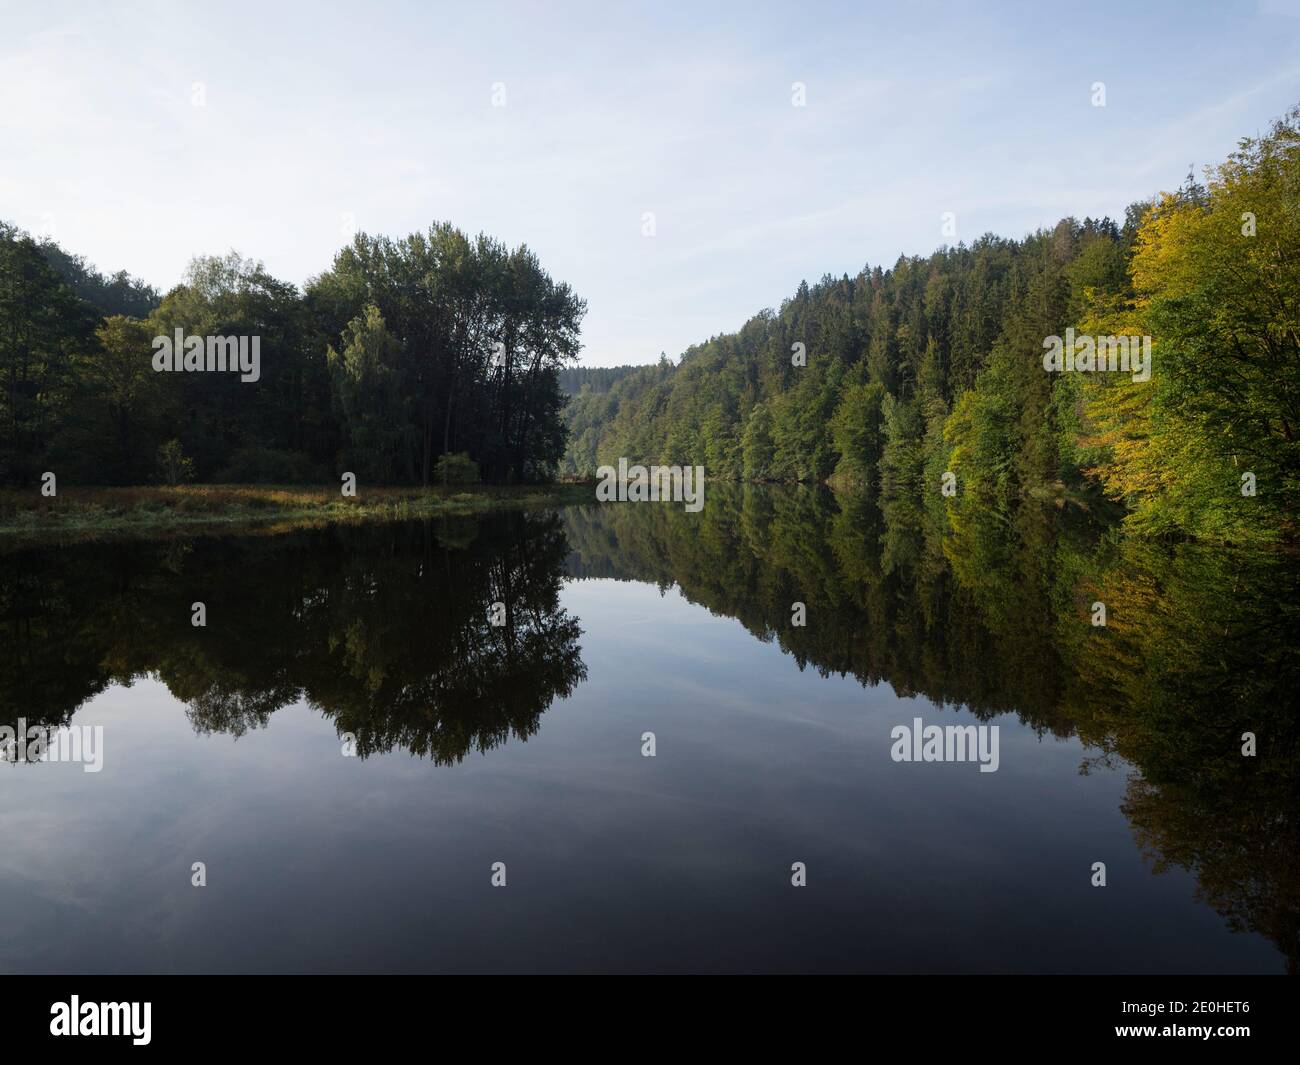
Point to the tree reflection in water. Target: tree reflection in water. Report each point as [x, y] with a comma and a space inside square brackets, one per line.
[387, 631]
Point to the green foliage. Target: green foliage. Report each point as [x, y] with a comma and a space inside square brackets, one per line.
[481, 332]
[118, 294]
[952, 346]
[368, 386]
[44, 327]
[268, 465]
[1217, 285]
[888, 354]
[599, 379]
[115, 409]
[173, 466]
[757, 447]
[401, 352]
[982, 432]
[902, 464]
[457, 468]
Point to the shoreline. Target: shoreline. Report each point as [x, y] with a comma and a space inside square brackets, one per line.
[26, 517]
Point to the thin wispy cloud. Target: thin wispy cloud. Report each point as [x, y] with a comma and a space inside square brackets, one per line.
[687, 114]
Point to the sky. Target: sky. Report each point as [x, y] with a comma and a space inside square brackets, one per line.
[142, 134]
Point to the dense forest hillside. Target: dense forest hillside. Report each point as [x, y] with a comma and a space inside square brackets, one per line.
[573, 379]
[895, 377]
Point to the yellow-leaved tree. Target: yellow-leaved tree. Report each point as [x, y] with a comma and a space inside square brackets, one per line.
[1208, 446]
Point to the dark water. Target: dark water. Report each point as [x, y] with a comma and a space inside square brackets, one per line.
[522, 743]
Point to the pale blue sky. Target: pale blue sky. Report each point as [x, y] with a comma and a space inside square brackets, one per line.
[384, 110]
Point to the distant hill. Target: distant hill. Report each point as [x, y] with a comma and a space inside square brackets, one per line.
[600, 378]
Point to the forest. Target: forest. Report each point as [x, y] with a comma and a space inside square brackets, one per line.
[895, 377]
[440, 356]
[573, 379]
[432, 357]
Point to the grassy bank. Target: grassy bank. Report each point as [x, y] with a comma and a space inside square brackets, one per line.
[89, 511]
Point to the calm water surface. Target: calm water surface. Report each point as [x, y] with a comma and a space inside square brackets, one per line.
[522, 743]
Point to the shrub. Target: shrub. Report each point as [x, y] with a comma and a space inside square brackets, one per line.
[457, 468]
